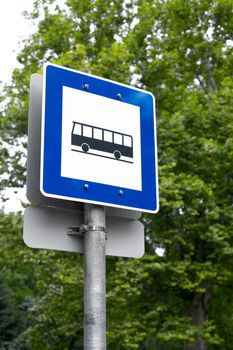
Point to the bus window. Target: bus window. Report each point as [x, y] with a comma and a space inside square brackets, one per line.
[87, 131]
[107, 136]
[127, 141]
[77, 129]
[98, 134]
[118, 138]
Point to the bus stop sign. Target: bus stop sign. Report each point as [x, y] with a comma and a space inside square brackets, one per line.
[98, 141]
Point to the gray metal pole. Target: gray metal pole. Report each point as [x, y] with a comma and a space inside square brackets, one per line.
[94, 278]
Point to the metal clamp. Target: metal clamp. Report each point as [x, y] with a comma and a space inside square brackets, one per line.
[80, 230]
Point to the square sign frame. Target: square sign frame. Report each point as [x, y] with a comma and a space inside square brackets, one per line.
[57, 81]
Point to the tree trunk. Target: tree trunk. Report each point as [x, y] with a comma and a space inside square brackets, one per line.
[199, 314]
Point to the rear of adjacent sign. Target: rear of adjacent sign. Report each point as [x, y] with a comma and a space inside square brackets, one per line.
[98, 141]
[47, 228]
[34, 195]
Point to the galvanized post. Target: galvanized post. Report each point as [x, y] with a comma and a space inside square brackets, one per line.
[94, 278]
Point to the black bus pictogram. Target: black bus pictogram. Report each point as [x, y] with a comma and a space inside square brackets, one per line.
[89, 137]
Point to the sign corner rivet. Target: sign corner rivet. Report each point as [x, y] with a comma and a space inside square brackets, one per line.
[86, 186]
[86, 86]
[120, 192]
[119, 95]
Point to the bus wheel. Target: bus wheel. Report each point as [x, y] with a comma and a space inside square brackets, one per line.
[85, 147]
[117, 154]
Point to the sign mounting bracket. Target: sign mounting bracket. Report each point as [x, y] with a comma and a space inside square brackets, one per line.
[80, 230]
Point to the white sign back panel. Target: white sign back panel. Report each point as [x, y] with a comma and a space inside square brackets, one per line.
[46, 228]
[105, 120]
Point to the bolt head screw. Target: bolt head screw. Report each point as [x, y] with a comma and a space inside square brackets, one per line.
[86, 186]
[120, 192]
[119, 96]
[86, 86]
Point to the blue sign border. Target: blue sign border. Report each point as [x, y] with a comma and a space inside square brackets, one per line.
[56, 186]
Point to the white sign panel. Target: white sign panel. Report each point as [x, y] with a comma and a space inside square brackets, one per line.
[100, 123]
[47, 228]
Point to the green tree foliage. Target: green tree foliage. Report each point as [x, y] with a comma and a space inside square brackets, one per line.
[9, 322]
[15, 286]
[58, 311]
[181, 50]
[41, 294]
